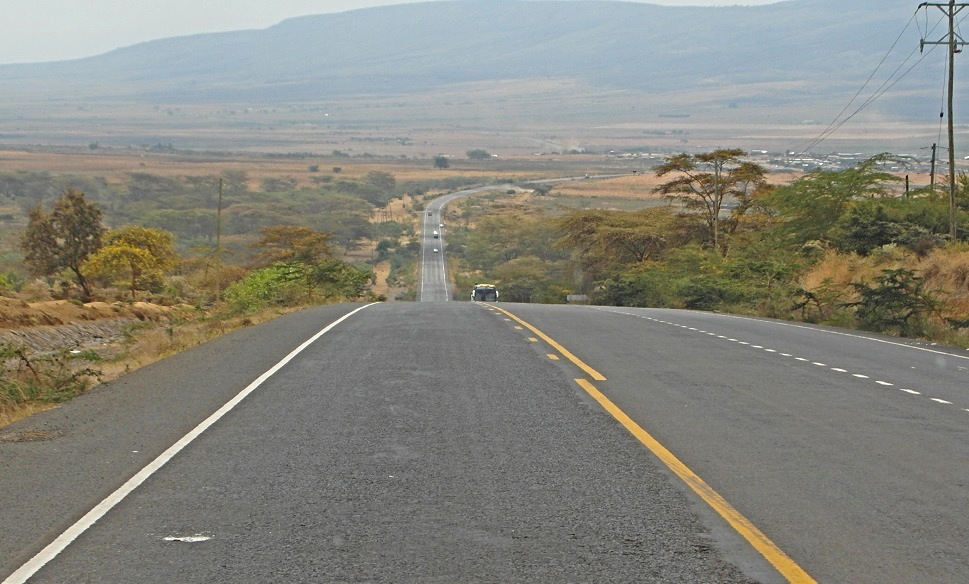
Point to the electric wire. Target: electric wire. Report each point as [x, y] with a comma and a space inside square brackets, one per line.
[862, 88]
[945, 75]
[886, 85]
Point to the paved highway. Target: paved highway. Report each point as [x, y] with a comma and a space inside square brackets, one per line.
[451, 442]
[412, 442]
[468, 442]
[849, 450]
[434, 285]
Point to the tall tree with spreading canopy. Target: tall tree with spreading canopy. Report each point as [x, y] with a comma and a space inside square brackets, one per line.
[605, 242]
[292, 243]
[812, 205]
[63, 239]
[702, 182]
[137, 256]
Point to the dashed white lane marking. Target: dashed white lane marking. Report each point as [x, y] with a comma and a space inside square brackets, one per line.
[188, 538]
[803, 359]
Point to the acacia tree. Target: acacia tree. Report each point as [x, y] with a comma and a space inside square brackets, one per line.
[64, 239]
[605, 241]
[135, 255]
[702, 182]
[813, 204]
[292, 243]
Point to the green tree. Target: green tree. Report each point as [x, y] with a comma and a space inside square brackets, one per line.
[235, 183]
[64, 239]
[278, 184]
[143, 186]
[702, 182]
[384, 181]
[441, 162]
[292, 243]
[478, 154]
[294, 283]
[813, 204]
[137, 256]
[604, 242]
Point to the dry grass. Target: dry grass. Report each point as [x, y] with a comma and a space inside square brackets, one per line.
[948, 273]
[839, 270]
[945, 273]
[151, 342]
[11, 415]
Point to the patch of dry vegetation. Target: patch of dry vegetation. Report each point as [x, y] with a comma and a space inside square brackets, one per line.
[945, 273]
[149, 341]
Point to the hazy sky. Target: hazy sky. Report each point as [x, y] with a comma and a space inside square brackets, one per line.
[53, 30]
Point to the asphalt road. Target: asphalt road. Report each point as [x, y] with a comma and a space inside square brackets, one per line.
[850, 451]
[434, 285]
[414, 442]
[449, 442]
[437, 442]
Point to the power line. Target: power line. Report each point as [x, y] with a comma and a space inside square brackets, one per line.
[837, 122]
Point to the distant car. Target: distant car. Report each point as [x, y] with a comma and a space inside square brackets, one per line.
[437, 250]
[429, 213]
[437, 235]
[441, 226]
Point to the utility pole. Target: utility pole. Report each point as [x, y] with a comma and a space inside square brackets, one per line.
[218, 246]
[954, 43]
[932, 172]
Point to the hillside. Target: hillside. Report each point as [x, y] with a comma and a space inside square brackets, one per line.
[795, 51]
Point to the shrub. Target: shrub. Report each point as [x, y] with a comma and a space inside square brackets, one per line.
[26, 378]
[897, 303]
[274, 285]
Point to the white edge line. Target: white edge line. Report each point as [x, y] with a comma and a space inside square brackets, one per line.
[101, 509]
[820, 330]
[420, 292]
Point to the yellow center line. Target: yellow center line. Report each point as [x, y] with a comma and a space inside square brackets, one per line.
[784, 564]
[787, 567]
[562, 350]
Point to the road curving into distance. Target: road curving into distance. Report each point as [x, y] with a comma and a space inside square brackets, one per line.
[434, 284]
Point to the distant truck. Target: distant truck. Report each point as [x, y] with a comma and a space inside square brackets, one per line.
[484, 293]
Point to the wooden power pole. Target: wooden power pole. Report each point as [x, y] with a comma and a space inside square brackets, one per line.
[218, 246]
[954, 43]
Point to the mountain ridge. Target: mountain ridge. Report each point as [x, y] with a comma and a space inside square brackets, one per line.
[422, 46]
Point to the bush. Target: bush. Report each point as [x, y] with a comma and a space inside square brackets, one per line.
[44, 379]
[896, 304]
[276, 285]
